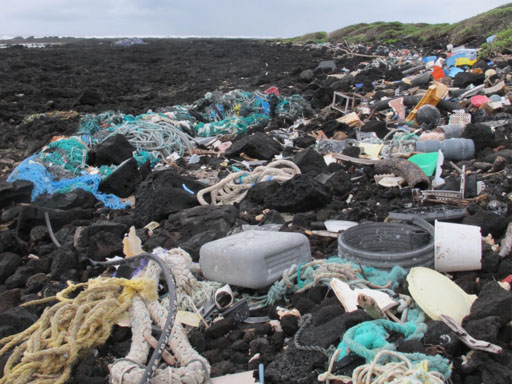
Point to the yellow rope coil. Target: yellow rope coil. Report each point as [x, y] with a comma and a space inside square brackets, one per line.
[46, 352]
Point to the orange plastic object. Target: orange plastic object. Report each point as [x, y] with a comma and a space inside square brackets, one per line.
[434, 94]
[438, 73]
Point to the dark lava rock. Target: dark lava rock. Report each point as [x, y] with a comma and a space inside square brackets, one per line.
[12, 193]
[16, 320]
[489, 222]
[261, 190]
[162, 194]
[10, 299]
[74, 199]
[438, 333]
[20, 277]
[481, 134]
[307, 75]
[89, 97]
[259, 146]
[289, 324]
[222, 368]
[411, 346]
[463, 79]
[484, 329]
[86, 234]
[8, 264]
[310, 160]
[240, 345]
[493, 300]
[304, 141]
[123, 181]
[197, 340]
[300, 194]
[377, 126]
[219, 328]
[29, 216]
[326, 313]
[331, 332]
[195, 226]
[114, 150]
[103, 245]
[293, 366]
[221, 343]
[494, 369]
[63, 259]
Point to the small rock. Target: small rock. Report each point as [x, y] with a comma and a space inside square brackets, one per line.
[8, 264]
[123, 181]
[290, 325]
[219, 328]
[12, 193]
[10, 299]
[492, 301]
[310, 160]
[307, 75]
[259, 146]
[486, 329]
[20, 277]
[114, 150]
[300, 194]
[489, 222]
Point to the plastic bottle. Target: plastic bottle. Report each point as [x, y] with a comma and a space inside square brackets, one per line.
[253, 259]
[452, 131]
[453, 149]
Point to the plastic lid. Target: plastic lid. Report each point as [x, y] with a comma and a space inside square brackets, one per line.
[438, 295]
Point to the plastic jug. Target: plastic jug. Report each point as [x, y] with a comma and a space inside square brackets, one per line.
[452, 131]
[253, 259]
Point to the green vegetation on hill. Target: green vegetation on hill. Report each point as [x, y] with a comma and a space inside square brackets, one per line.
[475, 29]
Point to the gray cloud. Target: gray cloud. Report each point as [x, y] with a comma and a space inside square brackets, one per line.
[281, 18]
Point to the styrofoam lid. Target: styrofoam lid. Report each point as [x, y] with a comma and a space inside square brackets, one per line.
[437, 295]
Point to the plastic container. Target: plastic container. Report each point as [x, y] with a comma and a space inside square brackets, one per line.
[452, 131]
[384, 245]
[453, 149]
[253, 259]
[437, 295]
[458, 247]
[430, 213]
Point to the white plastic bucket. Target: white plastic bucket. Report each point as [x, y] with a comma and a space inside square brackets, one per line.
[458, 247]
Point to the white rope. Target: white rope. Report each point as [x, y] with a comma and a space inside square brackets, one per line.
[233, 188]
[144, 313]
[402, 372]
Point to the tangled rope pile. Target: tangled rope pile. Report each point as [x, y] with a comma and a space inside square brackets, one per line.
[47, 351]
[233, 188]
[161, 139]
[321, 272]
[402, 372]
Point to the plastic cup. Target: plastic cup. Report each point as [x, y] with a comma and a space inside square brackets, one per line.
[224, 297]
[457, 247]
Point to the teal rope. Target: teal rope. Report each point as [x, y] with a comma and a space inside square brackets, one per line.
[368, 338]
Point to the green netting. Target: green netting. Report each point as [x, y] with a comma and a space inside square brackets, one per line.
[230, 125]
[70, 154]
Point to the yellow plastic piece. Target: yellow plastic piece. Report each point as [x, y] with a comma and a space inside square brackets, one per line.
[464, 61]
[371, 151]
[434, 94]
[437, 295]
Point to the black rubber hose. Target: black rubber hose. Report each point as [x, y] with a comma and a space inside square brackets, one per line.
[162, 341]
[50, 230]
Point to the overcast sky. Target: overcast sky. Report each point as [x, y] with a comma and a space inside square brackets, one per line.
[254, 18]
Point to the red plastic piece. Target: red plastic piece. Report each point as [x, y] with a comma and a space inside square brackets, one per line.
[273, 90]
